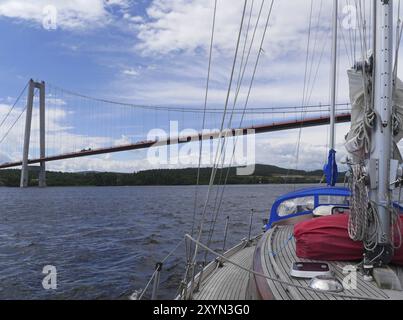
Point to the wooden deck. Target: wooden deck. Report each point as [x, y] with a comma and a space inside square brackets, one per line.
[273, 255]
[277, 254]
[228, 282]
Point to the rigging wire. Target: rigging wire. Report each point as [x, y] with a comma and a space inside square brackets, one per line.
[203, 126]
[399, 33]
[316, 76]
[218, 209]
[348, 52]
[304, 89]
[244, 49]
[143, 292]
[222, 155]
[241, 74]
[315, 44]
[214, 170]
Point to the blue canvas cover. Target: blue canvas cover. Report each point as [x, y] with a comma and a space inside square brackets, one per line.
[331, 170]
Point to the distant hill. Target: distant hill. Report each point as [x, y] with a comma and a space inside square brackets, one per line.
[264, 174]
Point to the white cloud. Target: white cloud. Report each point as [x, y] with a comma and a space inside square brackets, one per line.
[55, 101]
[281, 148]
[173, 38]
[130, 72]
[133, 19]
[175, 25]
[71, 14]
[176, 30]
[124, 140]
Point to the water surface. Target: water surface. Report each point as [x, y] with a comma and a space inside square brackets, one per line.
[105, 242]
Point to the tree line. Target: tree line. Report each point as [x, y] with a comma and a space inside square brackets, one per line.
[264, 174]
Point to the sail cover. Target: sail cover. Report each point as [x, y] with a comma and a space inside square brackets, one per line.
[356, 138]
[327, 239]
[331, 171]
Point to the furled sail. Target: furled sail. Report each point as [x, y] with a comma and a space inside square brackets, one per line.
[363, 118]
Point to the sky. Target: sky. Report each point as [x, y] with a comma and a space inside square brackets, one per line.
[156, 52]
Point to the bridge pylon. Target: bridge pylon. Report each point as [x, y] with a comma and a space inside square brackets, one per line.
[27, 134]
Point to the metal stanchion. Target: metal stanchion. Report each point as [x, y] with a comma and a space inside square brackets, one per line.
[225, 234]
[156, 284]
[250, 225]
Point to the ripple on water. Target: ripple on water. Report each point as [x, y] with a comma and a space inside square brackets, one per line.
[105, 242]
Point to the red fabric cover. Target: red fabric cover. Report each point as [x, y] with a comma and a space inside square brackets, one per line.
[327, 239]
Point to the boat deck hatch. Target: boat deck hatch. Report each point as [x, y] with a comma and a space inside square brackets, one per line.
[309, 270]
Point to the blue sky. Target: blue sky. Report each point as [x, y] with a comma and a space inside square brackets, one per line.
[75, 59]
[154, 52]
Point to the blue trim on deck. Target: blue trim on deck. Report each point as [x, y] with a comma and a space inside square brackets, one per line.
[316, 193]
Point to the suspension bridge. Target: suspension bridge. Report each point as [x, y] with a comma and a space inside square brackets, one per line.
[47, 123]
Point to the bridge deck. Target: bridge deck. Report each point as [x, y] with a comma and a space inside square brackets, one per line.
[287, 125]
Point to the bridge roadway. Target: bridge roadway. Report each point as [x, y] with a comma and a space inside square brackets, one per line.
[273, 127]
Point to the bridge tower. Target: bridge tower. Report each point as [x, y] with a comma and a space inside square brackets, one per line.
[27, 135]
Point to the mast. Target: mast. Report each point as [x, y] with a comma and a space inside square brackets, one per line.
[382, 142]
[331, 170]
[332, 143]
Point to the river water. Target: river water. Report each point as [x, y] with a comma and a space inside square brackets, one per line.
[105, 242]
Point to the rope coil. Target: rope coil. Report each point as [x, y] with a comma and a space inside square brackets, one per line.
[363, 220]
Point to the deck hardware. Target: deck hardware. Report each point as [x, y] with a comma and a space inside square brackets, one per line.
[250, 225]
[225, 233]
[158, 269]
[368, 270]
[220, 263]
[326, 284]
[305, 270]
